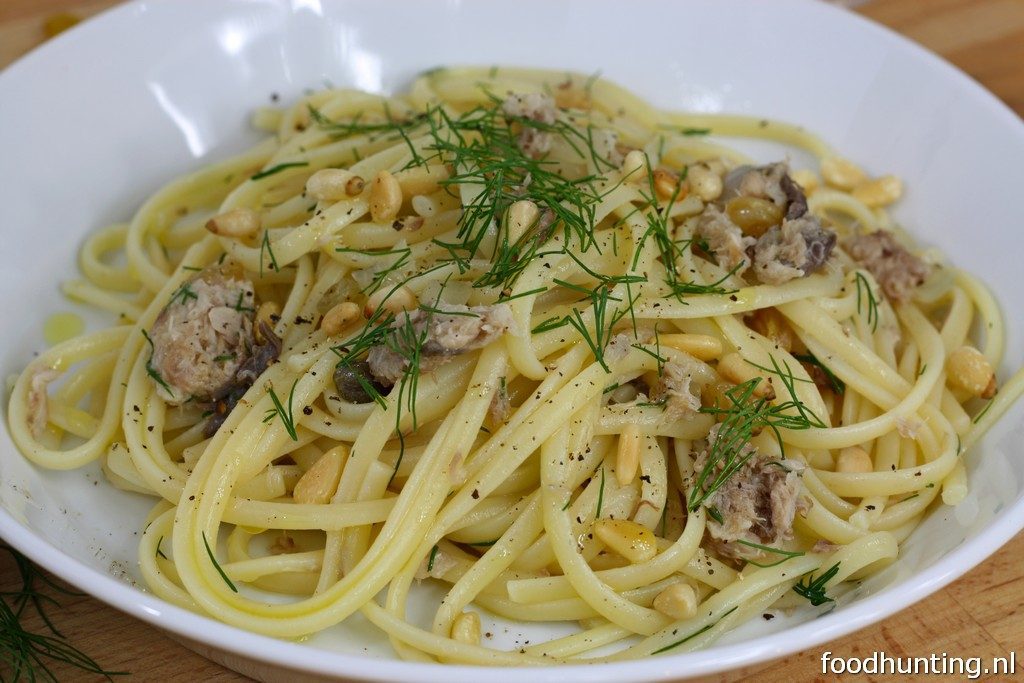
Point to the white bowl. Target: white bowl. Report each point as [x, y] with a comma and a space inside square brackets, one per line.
[100, 117]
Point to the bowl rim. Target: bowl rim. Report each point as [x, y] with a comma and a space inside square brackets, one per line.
[864, 612]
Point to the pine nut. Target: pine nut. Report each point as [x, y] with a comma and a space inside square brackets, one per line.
[968, 369]
[235, 223]
[634, 166]
[402, 299]
[422, 179]
[627, 459]
[339, 317]
[678, 601]
[771, 324]
[522, 216]
[634, 542]
[700, 346]
[466, 628]
[666, 184]
[385, 198]
[881, 191]
[854, 460]
[318, 484]
[704, 182]
[736, 370]
[842, 173]
[332, 184]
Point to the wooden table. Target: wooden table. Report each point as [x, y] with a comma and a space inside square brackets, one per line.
[981, 615]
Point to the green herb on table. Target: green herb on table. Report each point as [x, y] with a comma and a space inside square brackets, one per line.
[25, 655]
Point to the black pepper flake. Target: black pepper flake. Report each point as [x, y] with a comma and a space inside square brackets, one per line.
[733, 297]
[767, 616]
[299, 320]
[476, 494]
[308, 410]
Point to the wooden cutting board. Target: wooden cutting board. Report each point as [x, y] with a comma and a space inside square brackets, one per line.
[981, 615]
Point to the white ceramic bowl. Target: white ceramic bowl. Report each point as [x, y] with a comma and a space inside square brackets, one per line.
[100, 117]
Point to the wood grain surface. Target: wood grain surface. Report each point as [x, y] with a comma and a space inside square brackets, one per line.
[981, 615]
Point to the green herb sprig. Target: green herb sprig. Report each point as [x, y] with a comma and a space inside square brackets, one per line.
[729, 451]
[814, 589]
[25, 655]
[279, 410]
[216, 565]
[866, 295]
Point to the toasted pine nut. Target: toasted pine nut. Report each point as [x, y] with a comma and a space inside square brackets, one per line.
[235, 223]
[733, 368]
[677, 601]
[422, 179]
[772, 324]
[402, 299]
[320, 481]
[627, 459]
[522, 215]
[466, 628]
[881, 191]
[339, 317]
[634, 166]
[807, 180]
[666, 184]
[841, 173]
[968, 369]
[332, 184]
[854, 460]
[704, 182]
[385, 198]
[634, 542]
[700, 346]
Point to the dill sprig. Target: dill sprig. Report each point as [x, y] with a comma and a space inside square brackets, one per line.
[837, 384]
[27, 655]
[604, 320]
[357, 126]
[433, 554]
[216, 565]
[865, 293]
[814, 589]
[277, 169]
[659, 229]
[286, 414]
[482, 146]
[789, 380]
[265, 248]
[150, 370]
[786, 554]
[184, 293]
[600, 497]
[696, 633]
[730, 450]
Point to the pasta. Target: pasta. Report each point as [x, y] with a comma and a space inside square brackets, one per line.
[522, 334]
